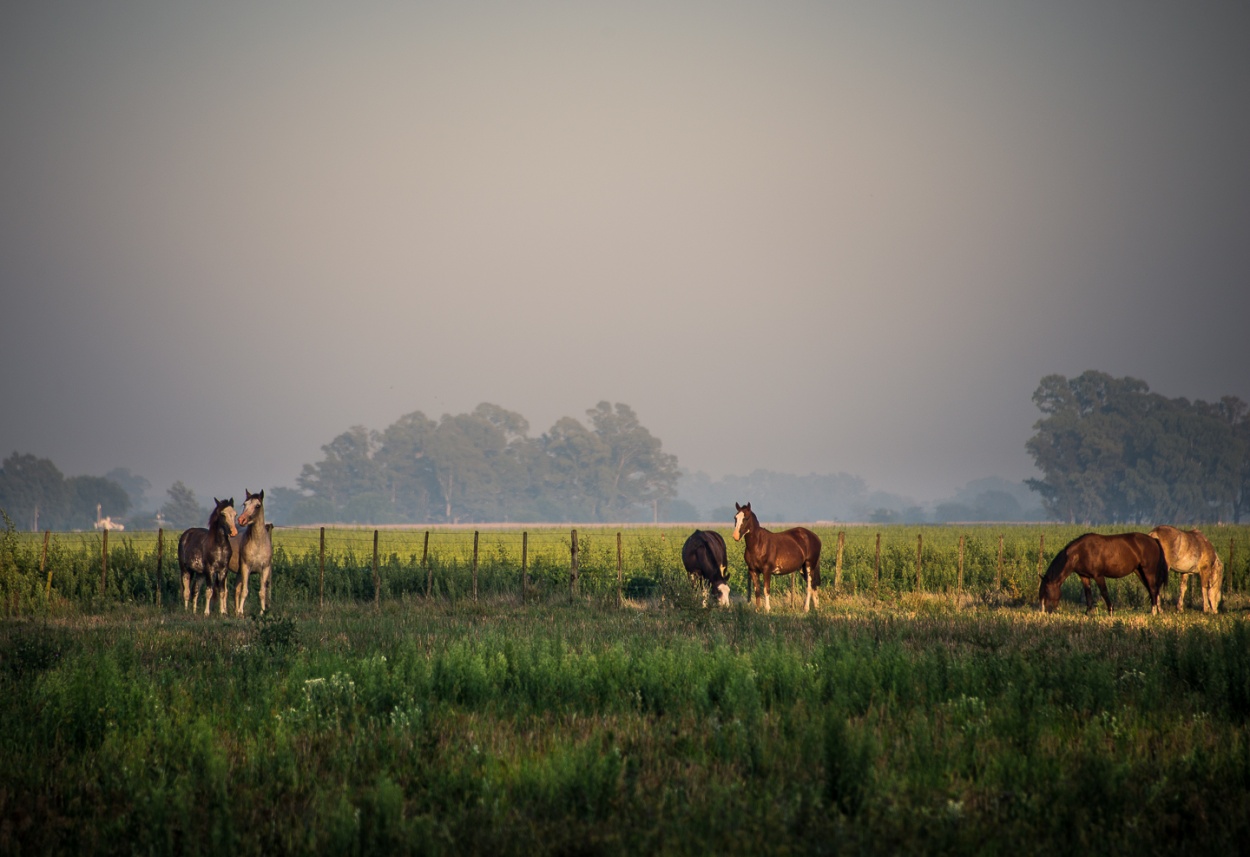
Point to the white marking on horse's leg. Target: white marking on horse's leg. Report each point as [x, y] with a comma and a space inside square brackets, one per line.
[723, 589]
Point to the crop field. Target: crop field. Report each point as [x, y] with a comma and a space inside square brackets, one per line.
[895, 719]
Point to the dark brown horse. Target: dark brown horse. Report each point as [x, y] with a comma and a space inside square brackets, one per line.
[1096, 558]
[252, 551]
[768, 553]
[204, 554]
[706, 562]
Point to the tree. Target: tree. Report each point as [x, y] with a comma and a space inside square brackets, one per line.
[635, 470]
[182, 511]
[33, 492]
[135, 486]
[1110, 450]
[407, 471]
[90, 495]
[346, 470]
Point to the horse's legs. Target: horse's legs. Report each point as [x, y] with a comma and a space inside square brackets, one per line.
[1089, 595]
[757, 587]
[266, 580]
[223, 593]
[1106, 596]
[240, 589]
[186, 590]
[768, 606]
[1180, 602]
[812, 599]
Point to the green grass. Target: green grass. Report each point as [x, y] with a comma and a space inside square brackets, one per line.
[914, 724]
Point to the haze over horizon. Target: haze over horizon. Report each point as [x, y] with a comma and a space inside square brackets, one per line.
[792, 236]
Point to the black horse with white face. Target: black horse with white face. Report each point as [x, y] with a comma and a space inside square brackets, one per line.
[706, 561]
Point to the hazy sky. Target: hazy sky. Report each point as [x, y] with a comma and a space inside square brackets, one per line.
[807, 237]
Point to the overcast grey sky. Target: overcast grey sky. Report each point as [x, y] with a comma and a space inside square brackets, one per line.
[807, 237]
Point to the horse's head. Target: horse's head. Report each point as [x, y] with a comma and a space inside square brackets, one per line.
[1052, 582]
[223, 515]
[744, 522]
[252, 505]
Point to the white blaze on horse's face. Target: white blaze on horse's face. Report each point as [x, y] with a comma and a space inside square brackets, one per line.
[249, 509]
[738, 525]
[723, 590]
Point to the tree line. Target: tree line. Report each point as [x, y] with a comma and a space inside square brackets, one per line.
[484, 466]
[1109, 450]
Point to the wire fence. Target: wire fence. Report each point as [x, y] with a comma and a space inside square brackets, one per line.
[39, 571]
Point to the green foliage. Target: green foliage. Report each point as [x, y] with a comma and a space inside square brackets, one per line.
[567, 727]
[1110, 450]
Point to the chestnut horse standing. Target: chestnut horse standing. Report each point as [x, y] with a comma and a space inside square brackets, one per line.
[1096, 558]
[768, 553]
[204, 554]
[1190, 552]
[253, 551]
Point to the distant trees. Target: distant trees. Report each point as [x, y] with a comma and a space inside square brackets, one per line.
[484, 466]
[182, 510]
[36, 495]
[1110, 450]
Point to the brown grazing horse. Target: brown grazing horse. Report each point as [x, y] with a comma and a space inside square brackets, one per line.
[1096, 558]
[1189, 552]
[768, 553]
[204, 554]
[253, 551]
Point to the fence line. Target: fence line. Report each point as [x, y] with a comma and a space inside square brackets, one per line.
[645, 562]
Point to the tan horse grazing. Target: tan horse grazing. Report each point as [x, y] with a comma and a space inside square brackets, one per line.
[768, 553]
[1190, 552]
[253, 551]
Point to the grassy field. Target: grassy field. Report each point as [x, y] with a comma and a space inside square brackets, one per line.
[918, 723]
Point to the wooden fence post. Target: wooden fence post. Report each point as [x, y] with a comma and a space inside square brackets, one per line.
[998, 574]
[160, 564]
[377, 581]
[919, 550]
[837, 564]
[429, 572]
[43, 562]
[620, 572]
[322, 565]
[104, 562]
[876, 586]
[573, 566]
[525, 572]
[475, 565]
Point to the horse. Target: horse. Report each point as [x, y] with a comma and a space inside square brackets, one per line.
[252, 551]
[1095, 557]
[704, 557]
[1190, 552]
[204, 553]
[768, 553]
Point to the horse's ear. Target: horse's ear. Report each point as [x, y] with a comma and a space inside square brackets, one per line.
[216, 502]
[747, 507]
[230, 502]
[739, 508]
[261, 495]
